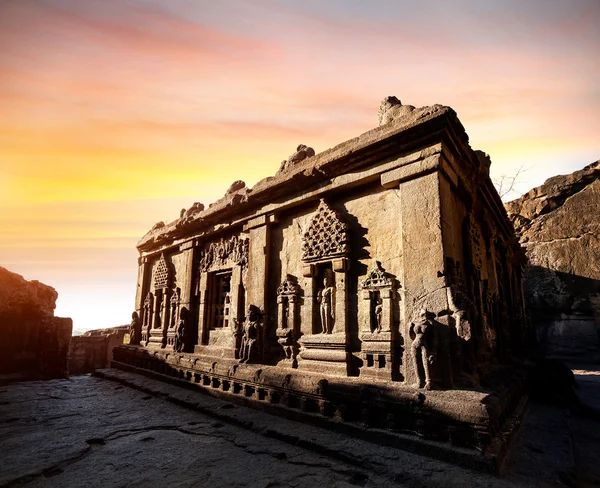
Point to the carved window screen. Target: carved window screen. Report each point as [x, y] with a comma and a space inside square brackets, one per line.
[326, 236]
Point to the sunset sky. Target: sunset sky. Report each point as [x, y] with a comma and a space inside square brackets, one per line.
[116, 114]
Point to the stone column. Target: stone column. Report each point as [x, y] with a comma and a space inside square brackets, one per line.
[387, 314]
[281, 304]
[258, 266]
[293, 314]
[143, 279]
[236, 312]
[188, 274]
[156, 316]
[203, 312]
[165, 315]
[259, 230]
[340, 324]
[308, 311]
[423, 278]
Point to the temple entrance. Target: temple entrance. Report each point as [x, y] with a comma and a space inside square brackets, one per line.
[220, 301]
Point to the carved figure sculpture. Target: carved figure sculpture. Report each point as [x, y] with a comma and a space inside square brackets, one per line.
[238, 333]
[189, 214]
[378, 314]
[252, 326]
[179, 344]
[302, 152]
[134, 329]
[326, 301]
[423, 352]
[237, 185]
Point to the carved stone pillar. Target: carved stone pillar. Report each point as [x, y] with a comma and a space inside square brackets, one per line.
[422, 245]
[175, 306]
[203, 312]
[188, 275]
[143, 282]
[259, 230]
[308, 312]
[147, 318]
[340, 325]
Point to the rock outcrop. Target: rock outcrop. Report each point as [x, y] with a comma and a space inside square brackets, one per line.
[35, 343]
[559, 225]
[93, 349]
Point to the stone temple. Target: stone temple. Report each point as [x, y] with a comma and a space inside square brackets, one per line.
[377, 283]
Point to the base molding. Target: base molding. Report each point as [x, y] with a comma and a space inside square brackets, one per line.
[474, 422]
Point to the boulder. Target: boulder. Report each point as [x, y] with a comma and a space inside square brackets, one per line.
[36, 343]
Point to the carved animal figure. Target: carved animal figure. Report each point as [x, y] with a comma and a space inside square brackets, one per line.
[391, 109]
[302, 152]
[196, 208]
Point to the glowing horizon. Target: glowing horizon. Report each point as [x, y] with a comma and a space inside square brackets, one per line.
[115, 115]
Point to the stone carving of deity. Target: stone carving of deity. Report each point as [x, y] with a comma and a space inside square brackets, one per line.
[378, 314]
[252, 326]
[326, 300]
[179, 344]
[134, 329]
[161, 309]
[423, 349]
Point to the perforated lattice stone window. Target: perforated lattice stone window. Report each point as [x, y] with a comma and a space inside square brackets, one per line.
[161, 274]
[327, 235]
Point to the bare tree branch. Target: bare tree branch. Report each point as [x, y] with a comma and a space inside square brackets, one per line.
[506, 184]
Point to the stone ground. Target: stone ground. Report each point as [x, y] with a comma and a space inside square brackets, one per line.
[94, 432]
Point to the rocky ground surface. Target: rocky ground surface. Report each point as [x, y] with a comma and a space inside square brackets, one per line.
[134, 431]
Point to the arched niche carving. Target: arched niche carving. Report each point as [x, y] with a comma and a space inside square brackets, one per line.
[288, 325]
[325, 251]
[377, 334]
[163, 277]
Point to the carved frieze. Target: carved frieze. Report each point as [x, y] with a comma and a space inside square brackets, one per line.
[326, 236]
[233, 250]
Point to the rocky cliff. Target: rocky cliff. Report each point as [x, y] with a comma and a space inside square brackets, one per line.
[559, 225]
[93, 349]
[35, 344]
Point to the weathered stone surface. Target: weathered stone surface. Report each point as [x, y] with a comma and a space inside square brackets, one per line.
[98, 433]
[409, 201]
[93, 349]
[559, 226]
[35, 343]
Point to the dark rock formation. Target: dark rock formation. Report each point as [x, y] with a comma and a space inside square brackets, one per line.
[559, 225]
[93, 349]
[35, 343]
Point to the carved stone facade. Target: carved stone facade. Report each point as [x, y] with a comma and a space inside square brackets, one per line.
[368, 277]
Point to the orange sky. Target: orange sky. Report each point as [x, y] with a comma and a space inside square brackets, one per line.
[116, 114]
